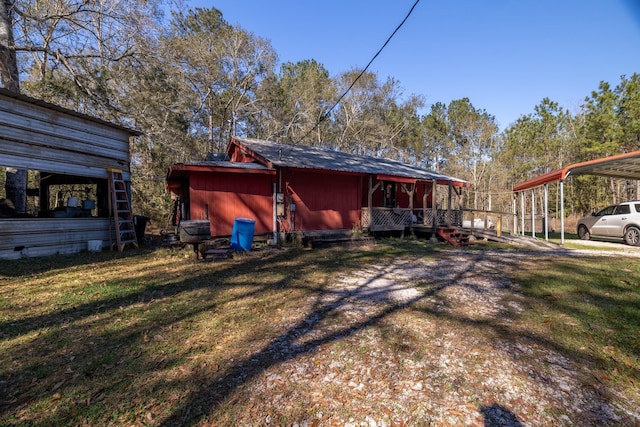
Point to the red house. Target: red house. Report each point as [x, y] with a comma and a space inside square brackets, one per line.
[298, 189]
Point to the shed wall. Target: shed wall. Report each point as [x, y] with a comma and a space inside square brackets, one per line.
[38, 138]
[39, 237]
[230, 196]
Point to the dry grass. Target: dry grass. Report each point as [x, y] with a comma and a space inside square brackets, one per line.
[396, 333]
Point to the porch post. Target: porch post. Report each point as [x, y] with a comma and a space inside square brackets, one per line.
[461, 195]
[434, 207]
[410, 193]
[370, 202]
[424, 203]
[449, 204]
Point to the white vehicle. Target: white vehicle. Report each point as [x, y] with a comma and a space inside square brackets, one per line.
[478, 223]
[615, 221]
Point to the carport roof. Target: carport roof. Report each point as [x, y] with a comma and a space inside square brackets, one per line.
[625, 165]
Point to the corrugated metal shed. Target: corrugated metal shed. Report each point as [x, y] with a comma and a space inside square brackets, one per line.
[40, 136]
[68, 148]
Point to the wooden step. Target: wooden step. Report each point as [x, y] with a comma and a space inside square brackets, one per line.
[454, 237]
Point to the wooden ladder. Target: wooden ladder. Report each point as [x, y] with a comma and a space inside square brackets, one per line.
[120, 213]
[454, 237]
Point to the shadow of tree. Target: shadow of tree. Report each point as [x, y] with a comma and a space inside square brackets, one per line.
[287, 346]
[102, 350]
[97, 350]
[498, 416]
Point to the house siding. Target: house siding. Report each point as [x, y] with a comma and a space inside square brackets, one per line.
[229, 196]
[324, 201]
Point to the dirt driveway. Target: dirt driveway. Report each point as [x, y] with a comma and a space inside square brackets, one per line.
[438, 369]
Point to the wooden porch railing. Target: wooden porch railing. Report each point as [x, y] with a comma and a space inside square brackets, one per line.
[486, 220]
[390, 219]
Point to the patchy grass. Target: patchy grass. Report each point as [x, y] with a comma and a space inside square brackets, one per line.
[153, 337]
[591, 306]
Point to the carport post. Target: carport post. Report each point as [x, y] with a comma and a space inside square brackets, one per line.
[533, 213]
[546, 212]
[522, 212]
[562, 212]
[515, 215]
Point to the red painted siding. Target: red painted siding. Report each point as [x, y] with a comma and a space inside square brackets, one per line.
[230, 196]
[324, 201]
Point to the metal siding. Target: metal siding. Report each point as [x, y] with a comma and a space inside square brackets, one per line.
[40, 138]
[324, 201]
[40, 237]
[231, 196]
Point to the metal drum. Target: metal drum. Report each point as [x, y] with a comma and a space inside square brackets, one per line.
[194, 231]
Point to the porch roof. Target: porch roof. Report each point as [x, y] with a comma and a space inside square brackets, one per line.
[303, 157]
[179, 170]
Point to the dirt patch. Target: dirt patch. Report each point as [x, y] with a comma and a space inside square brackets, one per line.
[410, 354]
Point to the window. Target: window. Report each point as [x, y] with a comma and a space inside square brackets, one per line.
[623, 210]
[606, 211]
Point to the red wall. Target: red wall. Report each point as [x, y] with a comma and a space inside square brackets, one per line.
[324, 201]
[231, 196]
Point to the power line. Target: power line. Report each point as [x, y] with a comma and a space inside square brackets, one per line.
[364, 70]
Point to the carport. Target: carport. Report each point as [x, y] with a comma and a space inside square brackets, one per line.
[625, 166]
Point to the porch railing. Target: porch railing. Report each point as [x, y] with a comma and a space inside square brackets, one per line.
[387, 219]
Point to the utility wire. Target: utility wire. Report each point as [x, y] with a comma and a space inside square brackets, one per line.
[325, 115]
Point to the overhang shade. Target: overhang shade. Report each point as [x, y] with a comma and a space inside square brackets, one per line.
[626, 166]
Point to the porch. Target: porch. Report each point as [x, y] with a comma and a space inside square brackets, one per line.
[398, 219]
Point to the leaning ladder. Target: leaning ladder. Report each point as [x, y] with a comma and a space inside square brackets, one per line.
[120, 213]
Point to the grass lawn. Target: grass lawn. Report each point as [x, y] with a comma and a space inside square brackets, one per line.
[153, 337]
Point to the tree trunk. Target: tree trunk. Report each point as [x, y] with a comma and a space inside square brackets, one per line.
[16, 183]
[16, 188]
[8, 61]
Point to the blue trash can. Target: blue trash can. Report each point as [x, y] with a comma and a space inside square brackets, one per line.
[242, 234]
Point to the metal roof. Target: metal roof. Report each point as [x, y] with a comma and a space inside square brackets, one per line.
[54, 107]
[626, 166]
[224, 164]
[304, 157]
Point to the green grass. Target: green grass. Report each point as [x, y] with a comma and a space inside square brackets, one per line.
[590, 306]
[116, 339]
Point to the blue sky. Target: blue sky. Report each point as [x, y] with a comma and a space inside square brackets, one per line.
[504, 55]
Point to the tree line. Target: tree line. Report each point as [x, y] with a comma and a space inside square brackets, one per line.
[190, 80]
